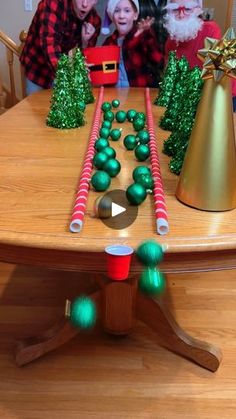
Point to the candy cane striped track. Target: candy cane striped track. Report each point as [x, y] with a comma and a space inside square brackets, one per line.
[158, 191]
[77, 218]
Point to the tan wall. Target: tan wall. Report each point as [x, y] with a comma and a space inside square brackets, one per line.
[220, 7]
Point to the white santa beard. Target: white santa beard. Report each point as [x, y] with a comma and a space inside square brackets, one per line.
[183, 29]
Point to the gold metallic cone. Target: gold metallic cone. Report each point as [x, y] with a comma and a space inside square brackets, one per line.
[208, 176]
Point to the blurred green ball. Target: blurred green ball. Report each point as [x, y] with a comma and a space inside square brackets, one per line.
[142, 152]
[150, 253]
[131, 113]
[140, 171]
[112, 167]
[99, 159]
[140, 115]
[108, 116]
[136, 194]
[146, 181]
[143, 137]
[106, 106]
[101, 181]
[101, 143]
[138, 124]
[106, 124]
[121, 116]
[130, 142]
[83, 313]
[115, 134]
[110, 152]
[152, 282]
[115, 103]
[81, 106]
[104, 132]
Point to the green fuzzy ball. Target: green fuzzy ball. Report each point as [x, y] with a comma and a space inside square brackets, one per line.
[131, 113]
[150, 253]
[104, 132]
[115, 134]
[142, 152]
[112, 167]
[130, 142]
[121, 116]
[140, 171]
[108, 116]
[101, 181]
[106, 106]
[115, 103]
[152, 282]
[143, 137]
[101, 143]
[83, 313]
[100, 159]
[136, 194]
[138, 124]
[110, 152]
[106, 124]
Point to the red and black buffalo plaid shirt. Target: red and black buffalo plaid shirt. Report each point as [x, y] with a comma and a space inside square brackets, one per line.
[141, 55]
[55, 29]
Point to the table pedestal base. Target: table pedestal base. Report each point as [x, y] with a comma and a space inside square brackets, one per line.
[119, 305]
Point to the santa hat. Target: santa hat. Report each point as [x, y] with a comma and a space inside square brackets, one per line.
[109, 12]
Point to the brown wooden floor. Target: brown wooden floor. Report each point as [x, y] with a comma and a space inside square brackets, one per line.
[102, 376]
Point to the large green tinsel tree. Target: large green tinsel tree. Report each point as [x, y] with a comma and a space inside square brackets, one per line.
[177, 143]
[64, 112]
[169, 78]
[80, 79]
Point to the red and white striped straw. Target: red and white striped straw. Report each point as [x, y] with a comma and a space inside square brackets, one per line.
[77, 218]
[158, 192]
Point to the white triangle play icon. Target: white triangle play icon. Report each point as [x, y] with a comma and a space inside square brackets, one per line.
[116, 209]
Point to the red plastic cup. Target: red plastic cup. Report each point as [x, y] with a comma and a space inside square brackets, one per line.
[118, 261]
[104, 62]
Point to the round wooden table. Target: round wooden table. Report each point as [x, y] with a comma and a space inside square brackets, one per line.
[40, 169]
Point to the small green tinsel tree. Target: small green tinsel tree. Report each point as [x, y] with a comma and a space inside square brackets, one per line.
[167, 84]
[64, 112]
[81, 84]
[176, 145]
[168, 120]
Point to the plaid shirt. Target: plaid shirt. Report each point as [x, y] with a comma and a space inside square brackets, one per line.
[55, 29]
[140, 54]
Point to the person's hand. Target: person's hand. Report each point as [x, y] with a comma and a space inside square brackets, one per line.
[144, 24]
[87, 32]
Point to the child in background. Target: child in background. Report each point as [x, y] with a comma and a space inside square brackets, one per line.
[138, 45]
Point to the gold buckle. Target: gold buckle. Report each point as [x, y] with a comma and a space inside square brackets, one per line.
[106, 70]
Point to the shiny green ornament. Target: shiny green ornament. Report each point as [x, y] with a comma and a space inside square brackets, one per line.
[131, 113]
[143, 137]
[104, 132]
[110, 152]
[100, 159]
[130, 142]
[115, 103]
[146, 181]
[115, 134]
[140, 171]
[101, 181]
[138, 124]
[108, 116]
[152, 282]
[142, 152]
[106, 106]
[121, 116]
[83, 313]
[136, 194]
[112, 167]
[150, 253]
[106, 124]
[101, 143]
[140, 115]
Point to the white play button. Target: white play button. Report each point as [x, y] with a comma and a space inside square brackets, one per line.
[116, 209]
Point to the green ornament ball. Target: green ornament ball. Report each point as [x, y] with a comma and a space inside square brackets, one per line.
[152, 282]
[150, 253]
[100, 159]
[136, 194]
[101, 143]
[110, 152]
[142, 152]
[112, 167]
[83, 313]
[104, 132]
[140, 171]
[138, 124]
[130, 142]
[115, 134]
[140, 115]
[115, 103]
[108, 116]
[143, 137]
[106, 124]
[121, 116]
[146, 181]
[81, 106]
[106, 106]
[101, 181]
[131, 113]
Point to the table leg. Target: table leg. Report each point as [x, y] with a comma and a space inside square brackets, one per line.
[155, 314]
[32, 348]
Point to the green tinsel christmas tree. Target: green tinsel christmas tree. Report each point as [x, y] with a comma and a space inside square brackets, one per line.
[167, 84]
[64, 111]
[176, 145]
[81, 84]
[168, 120]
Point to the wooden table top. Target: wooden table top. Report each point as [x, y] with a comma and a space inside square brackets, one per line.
[40, 168]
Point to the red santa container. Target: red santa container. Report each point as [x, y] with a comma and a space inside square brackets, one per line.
[105, 64]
